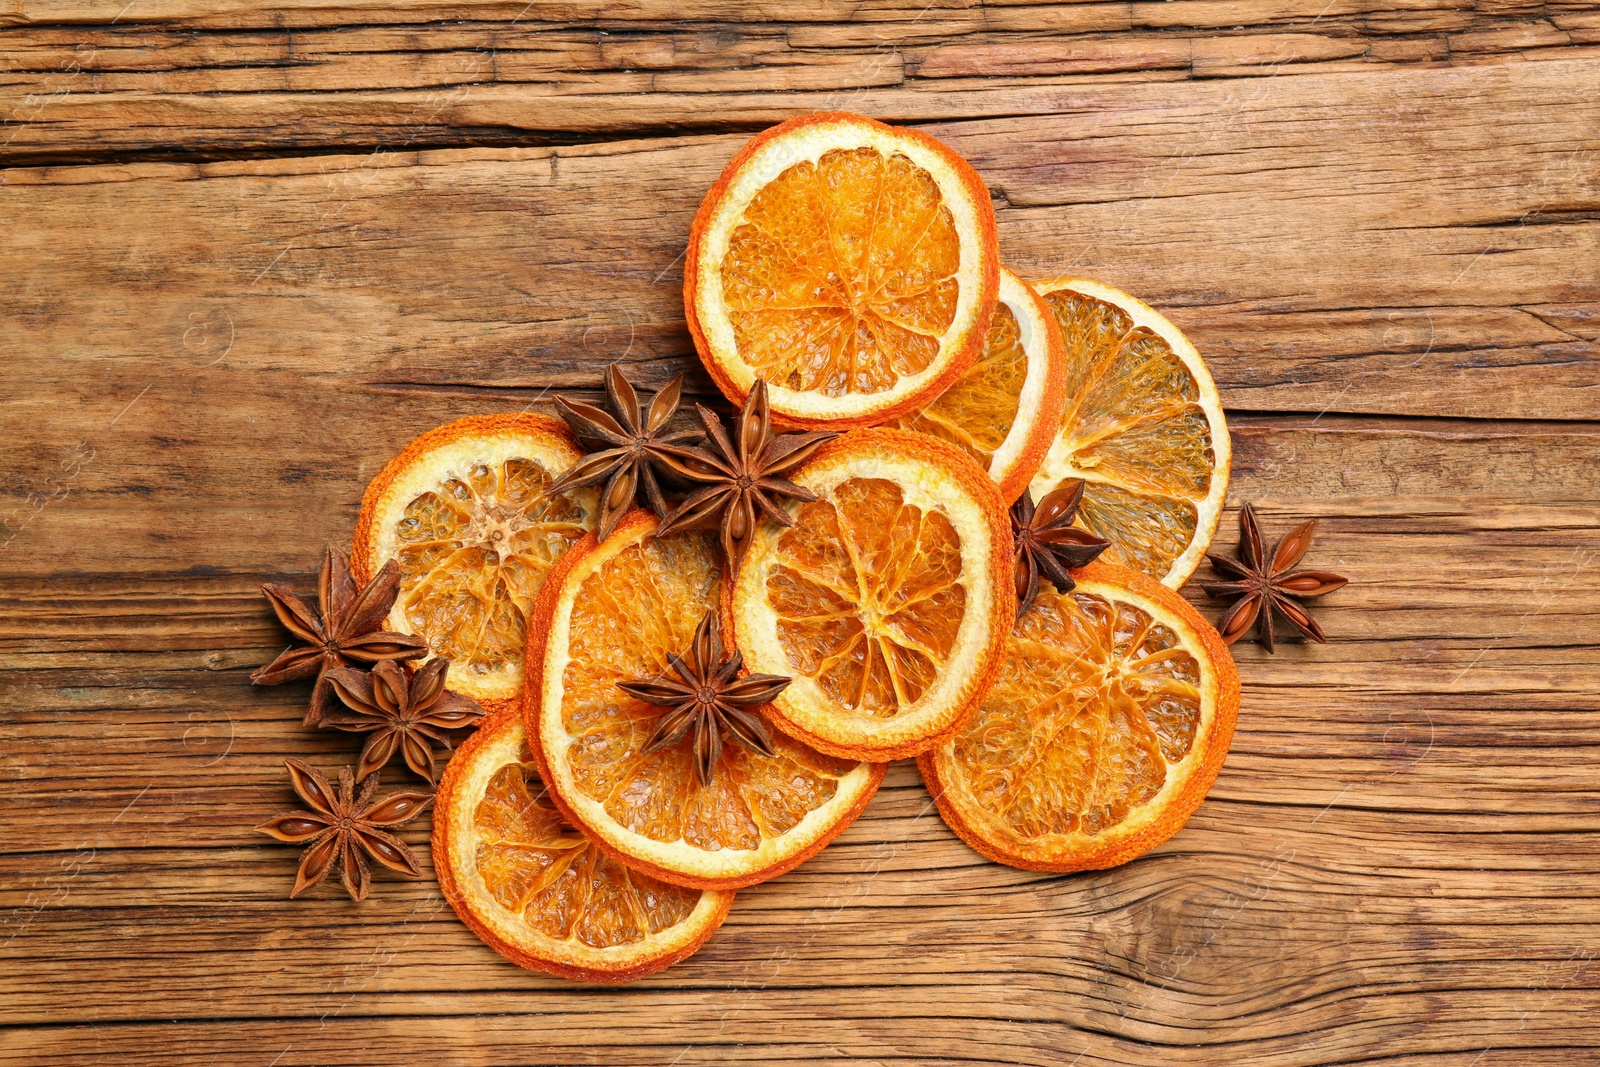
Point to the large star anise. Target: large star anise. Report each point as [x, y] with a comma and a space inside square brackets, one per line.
[630, 441]
[343, 629]
[1266, 587]
[344, 828]
[1046, 543]
[708, 698]
[740, 480]
[399, 713]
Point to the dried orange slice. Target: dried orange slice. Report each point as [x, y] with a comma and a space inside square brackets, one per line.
[1108, 724]
[888, 600]
[852, 265]
[464, 510]
[1005, 410]
[1143, 428]
[535, 889]
[615, 613]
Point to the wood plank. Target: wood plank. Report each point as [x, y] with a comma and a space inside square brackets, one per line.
[1376, 229]
[1395, 864]
[286, 80]
[1322, 254]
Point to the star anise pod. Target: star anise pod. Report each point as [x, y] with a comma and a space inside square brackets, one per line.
[708, 698]
[630, 441]
[1266, 587]
[342, 630]
[741, 479]
[400, 713]
[344, 828]
[1046, 543]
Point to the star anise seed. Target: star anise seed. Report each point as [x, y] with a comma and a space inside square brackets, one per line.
[1045, 543]
[708, 698]
[625, 446]
[343, 630]
[740, 480]
[343, 828]
[400, 713]
[1265, 586]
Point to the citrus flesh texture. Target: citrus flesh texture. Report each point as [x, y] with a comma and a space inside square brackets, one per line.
[473, 550]
[1136, 432]
[868, 595]
[536, 889]
[1109, 721]
[538, 867]
[640, 605]
[977, 412]
[841, 276]
[1094, 701]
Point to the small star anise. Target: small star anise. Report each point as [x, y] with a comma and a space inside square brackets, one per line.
[1046, 543]
[342, 631]
[1265, 586]
[630, 442]
[741, 480]
[344, 828]
[706, 697]
[400, 713]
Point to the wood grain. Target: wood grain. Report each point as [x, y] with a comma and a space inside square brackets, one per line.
[1387, 247]
[177, 80]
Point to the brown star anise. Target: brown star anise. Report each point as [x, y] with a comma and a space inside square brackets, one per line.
[344, 828]
[706, 697]
[1265, 586]
[342, 631]
[1046, 543]
[399, 713]
[741, 480]
[630, 440]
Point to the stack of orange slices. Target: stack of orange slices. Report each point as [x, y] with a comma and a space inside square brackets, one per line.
[855, 269]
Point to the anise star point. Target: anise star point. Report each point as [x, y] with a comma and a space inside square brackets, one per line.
[740, 479]
[343, 828]
[708, 698]
[401, 714]
[627, 445]
[1269, 586]
[1045, 543]
[342, 630]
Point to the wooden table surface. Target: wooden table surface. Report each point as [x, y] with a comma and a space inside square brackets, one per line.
[247, 252]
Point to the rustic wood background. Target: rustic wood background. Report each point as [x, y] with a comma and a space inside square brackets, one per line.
[247, 252]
